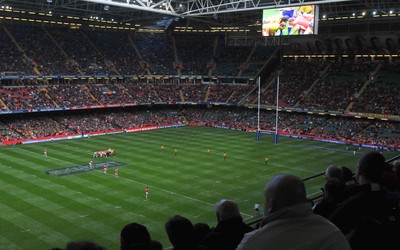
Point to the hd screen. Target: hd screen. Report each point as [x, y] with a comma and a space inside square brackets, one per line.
[290, 21]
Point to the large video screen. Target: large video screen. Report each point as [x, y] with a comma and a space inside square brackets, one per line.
[290, 21]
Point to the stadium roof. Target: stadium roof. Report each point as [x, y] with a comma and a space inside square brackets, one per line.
[211, 12]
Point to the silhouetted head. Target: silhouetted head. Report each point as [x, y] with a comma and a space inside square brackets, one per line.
[135, 236]
[282, 191]
[226, 209]
[370, 168]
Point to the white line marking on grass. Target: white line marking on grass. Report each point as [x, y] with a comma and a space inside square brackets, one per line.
[298, 169]
[26, 230]
[328, 153]
[169, 192]
[250, 218]
[83, 216]
[311, 195]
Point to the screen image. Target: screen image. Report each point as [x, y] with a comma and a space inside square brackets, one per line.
[290, 21]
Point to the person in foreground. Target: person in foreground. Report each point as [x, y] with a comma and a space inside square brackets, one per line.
[230, 228]
[289, 221]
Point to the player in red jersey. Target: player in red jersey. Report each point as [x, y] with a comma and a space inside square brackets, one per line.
[105, 168]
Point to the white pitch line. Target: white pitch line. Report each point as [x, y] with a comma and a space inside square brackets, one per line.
[167, 191]
[47, 156]
[173, 193]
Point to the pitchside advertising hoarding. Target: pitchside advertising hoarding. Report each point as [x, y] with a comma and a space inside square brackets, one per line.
[290, 21]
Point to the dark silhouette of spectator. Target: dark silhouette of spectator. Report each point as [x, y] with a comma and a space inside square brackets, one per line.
[135, 236]
[180, 233]
[83, 245]
[334, 193]
[200, 231]
[230, 228]
[333, 172]
[156, 245]
[348, 177]
[364, 216]
[390, 179]
[290, 222]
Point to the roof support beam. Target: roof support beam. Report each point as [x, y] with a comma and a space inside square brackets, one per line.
[160, 7]
[206, 7]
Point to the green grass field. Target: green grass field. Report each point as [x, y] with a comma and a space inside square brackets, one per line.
[41, 211]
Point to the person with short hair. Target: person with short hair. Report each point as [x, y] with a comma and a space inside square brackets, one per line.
[289, 221]
[135, 236]
[230, 228]
[181, 233]
[334, 172]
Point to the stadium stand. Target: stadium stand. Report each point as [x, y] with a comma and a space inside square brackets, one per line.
[60, 81]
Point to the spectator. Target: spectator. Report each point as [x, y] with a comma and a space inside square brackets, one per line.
[180, 233]
[290, 222]
[156, 245]
[334, 193]
[200, 231]
[364, 216]
[333, 172]
[135, 236]
[230, 228]
[348, 176]
[83, 245]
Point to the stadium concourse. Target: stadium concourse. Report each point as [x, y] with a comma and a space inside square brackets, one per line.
[61, 80]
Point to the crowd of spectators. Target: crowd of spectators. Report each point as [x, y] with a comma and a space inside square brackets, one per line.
[295, 79]
[346, 130]
[385, 84]
[63, 51]
[195, 53]
[336, 90]
[340, 84]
